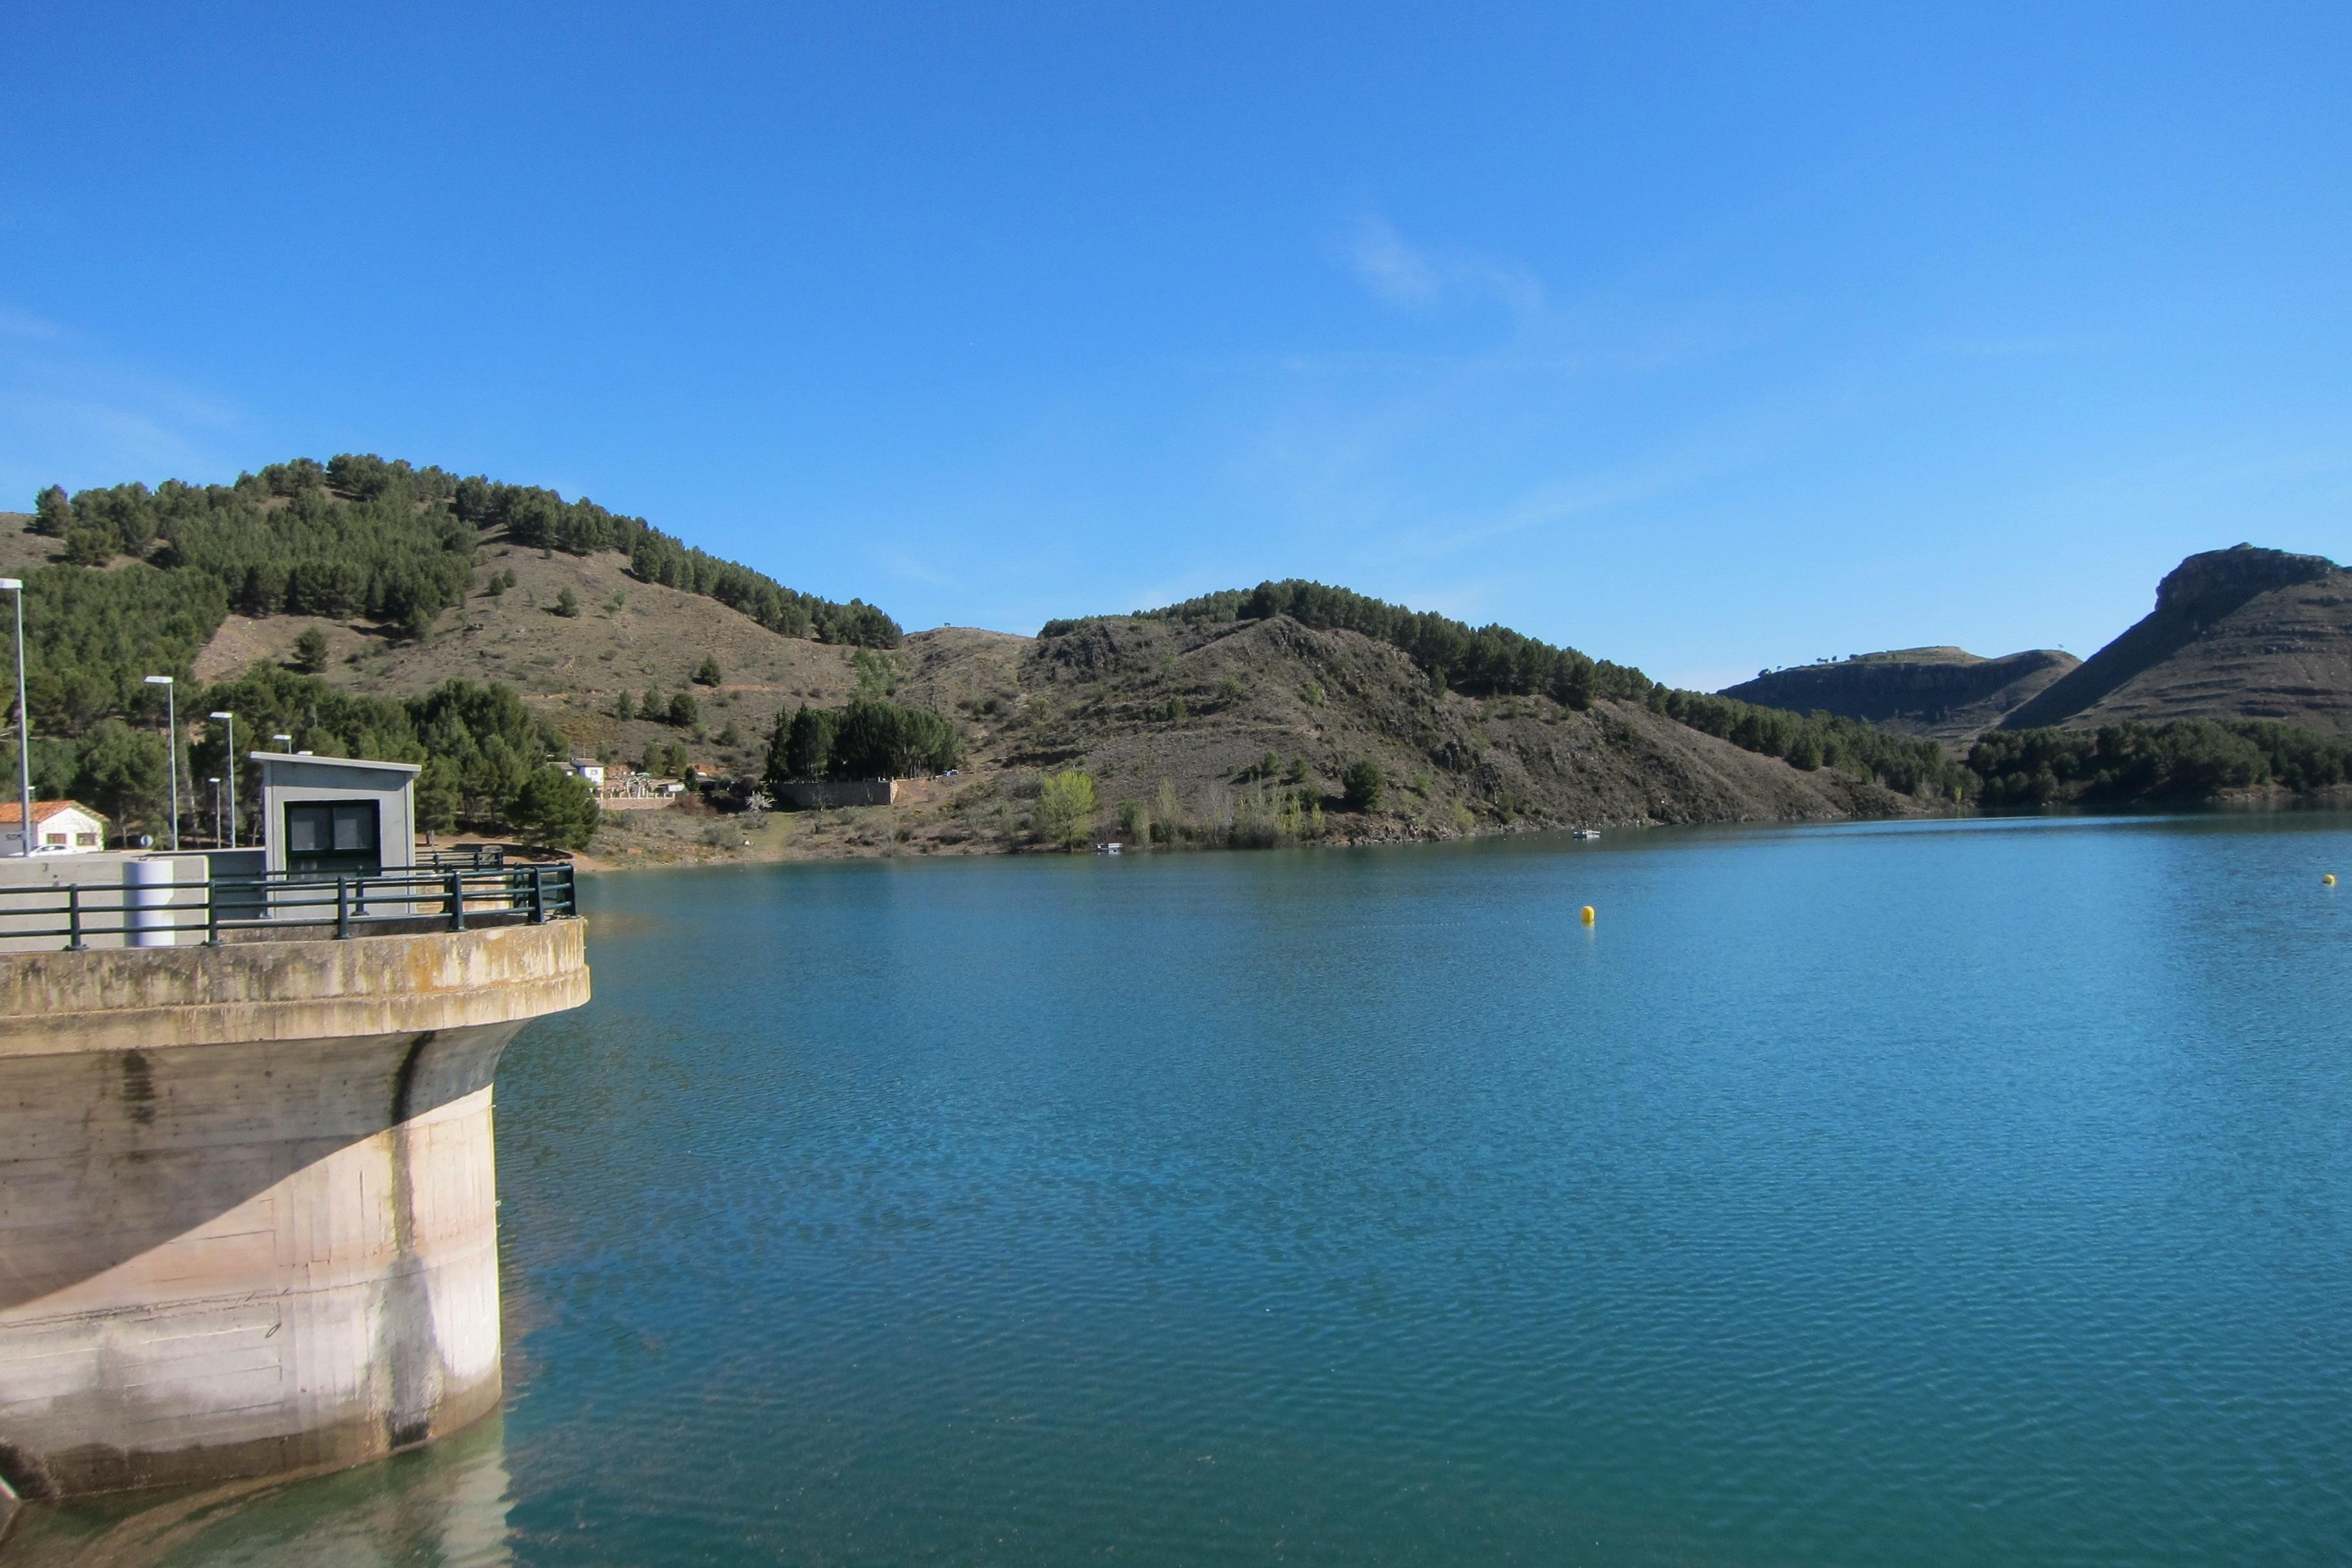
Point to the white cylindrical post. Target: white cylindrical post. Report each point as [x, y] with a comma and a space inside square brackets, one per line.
[150, 884]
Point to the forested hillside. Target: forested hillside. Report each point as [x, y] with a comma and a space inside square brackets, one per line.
[486, 630]
[139, 581]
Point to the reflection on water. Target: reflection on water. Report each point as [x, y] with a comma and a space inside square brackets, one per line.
[444, 1504]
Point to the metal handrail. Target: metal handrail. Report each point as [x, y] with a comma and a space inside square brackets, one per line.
[464, 857]
[507, 893]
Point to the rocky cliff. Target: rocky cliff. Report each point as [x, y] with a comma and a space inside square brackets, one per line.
[2243, 633]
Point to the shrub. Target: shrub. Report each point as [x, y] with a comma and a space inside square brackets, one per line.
[311, 651]
[567, 604]
[1365, 785]
[707, 673]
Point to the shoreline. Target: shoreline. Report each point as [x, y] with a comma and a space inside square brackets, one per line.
[852, 834]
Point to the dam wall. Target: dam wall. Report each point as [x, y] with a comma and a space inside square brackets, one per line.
[248, 1198]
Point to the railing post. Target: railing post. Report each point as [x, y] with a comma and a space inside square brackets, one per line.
[212, 913]
[342, 908]
[74, 943]
[456, 900]
[539, 895]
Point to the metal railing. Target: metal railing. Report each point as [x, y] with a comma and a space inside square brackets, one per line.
[245, 908]
[463, 858]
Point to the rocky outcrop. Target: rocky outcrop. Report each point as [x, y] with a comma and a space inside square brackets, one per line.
[2243, 633]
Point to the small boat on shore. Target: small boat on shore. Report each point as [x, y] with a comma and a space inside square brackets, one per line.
[1588, 833]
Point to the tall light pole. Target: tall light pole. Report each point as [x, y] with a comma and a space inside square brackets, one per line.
[24, 724]
[171, 748]
[230, 719]
[216, 816]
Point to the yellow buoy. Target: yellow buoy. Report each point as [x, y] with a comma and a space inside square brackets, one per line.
[2329, 879]
[1587, 916]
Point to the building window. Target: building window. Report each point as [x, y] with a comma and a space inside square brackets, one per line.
[335, 838]
[86, 840]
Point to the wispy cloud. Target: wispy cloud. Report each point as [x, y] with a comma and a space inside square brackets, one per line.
[906, 564]
[72, 414]
[1416, 277]
[24, 324]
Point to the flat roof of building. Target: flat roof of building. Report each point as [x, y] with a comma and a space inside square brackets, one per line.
[307, 758]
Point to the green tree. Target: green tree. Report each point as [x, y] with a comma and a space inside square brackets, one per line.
[311, 651]
[567, 604]
[555, 809]
[884, 739]
[808, 744]
[877, 674]
[438, 788]
[706, 673]
[623, 707]
[776, 768]
[1364, 785]
[1065, 808]
[121, 772]
[1167, 813]
[496, 586]
[51, 513]
[683, 711]
[729, 735]
[652, 707]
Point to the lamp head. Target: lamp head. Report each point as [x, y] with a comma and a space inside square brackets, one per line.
[159, 680]
[220, 715]
[11, 585]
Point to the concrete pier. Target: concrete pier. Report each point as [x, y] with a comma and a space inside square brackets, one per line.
[247, 1199]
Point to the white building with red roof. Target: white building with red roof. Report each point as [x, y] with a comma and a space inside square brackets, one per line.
[60, 827]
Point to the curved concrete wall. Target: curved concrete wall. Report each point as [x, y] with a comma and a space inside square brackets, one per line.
[247, 1197]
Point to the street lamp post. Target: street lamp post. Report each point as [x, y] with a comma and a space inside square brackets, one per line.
[230, 719]
[215, 781]
[171, 748]
[24, 725]
[287, 740]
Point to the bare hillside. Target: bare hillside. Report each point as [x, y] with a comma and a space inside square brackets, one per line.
[1137, 703]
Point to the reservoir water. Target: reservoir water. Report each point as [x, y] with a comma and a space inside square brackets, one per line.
[1952, 1194]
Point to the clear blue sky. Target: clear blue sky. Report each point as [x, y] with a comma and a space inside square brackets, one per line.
[1691, 337]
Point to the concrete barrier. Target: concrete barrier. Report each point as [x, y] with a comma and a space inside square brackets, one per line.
[168, 887]
[247, 1197]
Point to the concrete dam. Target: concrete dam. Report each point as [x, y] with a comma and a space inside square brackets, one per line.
[248, 1192]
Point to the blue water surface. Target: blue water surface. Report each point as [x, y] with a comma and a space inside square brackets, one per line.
[1955, 1192]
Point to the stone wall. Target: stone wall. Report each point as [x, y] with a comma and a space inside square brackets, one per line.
[832, 796]
[247, 1197]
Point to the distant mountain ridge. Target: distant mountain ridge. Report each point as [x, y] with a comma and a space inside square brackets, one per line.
[2245, 633]
[1945, 693]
